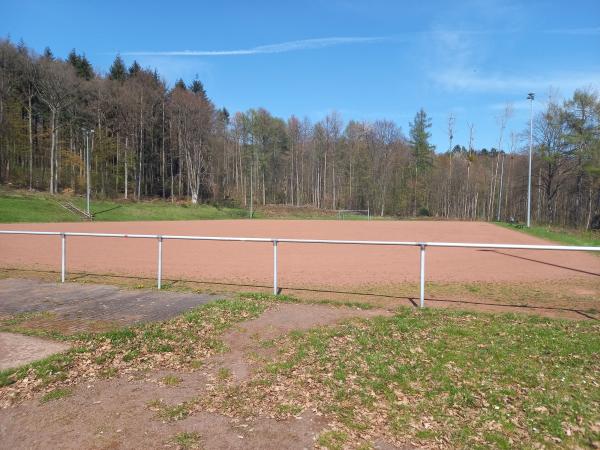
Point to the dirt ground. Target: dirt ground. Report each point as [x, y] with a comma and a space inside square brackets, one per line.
[118, 413]
[300, 266]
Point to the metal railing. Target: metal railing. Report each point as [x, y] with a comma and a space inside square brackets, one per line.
[274, 241]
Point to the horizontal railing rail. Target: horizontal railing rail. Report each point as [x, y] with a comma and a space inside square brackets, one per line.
[162, 237]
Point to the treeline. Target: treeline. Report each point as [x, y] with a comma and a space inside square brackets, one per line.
[150, 140]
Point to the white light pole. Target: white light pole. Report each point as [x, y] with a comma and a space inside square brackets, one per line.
[87, 167]
[530, 97]
[251, 189]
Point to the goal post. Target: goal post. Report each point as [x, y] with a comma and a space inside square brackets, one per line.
[343, 213]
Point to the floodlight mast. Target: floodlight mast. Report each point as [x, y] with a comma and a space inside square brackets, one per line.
[87, 133]
[530, 97]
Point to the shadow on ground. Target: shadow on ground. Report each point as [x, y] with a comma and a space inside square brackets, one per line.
[515, 299]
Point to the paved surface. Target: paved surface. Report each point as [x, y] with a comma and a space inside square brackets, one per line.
[76, 305]
[16, 349]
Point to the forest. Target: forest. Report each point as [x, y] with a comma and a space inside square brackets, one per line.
[150, 140]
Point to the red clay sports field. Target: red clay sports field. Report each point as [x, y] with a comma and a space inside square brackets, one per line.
[300, 265]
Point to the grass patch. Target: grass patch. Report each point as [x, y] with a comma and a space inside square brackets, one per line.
[288, 409]
[477, 380]
[579, 294]
[179, 343]
[170, 413]
[187, 440]
[20, 318]
[45, 372]
[224, 373]
[175, 412]
[22, 206]
[171, 380]
[55, 395]
[30, 207]
[292, 299]
[332, 440]
[556, 234]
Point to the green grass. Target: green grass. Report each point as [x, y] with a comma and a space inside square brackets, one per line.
[224, 373]
[170, 413]
[469, 380]
[562, 236]
[17, 206]
[474, 380]
[178, 343]
[55, 395]
[171, 380]
[286, 409]
[187, 440]
[47, 371]
[28, 207]
[332, 440]
[291, 299]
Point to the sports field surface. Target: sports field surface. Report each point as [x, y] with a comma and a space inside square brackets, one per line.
[300, 265]
[259, 371]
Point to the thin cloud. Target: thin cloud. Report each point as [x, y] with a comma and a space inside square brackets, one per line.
[459, 79]
[291, 46]
[457, 59]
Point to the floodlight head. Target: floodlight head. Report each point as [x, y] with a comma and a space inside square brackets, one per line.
[531, 96]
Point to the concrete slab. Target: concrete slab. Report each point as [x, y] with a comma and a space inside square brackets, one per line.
[17, 350]
[77, 303]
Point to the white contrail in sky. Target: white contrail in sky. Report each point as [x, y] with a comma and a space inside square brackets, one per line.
[306, 44]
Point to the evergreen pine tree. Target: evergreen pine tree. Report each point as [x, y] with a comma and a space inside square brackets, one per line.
[422, 152]
[224, 115]
[134, 69]
[22, 48]
[419, 139]
[86, 69]
[82, 66]
[198, 88]
[48, 54]
[117, 70]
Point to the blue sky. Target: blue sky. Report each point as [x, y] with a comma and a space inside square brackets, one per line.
[365, 59]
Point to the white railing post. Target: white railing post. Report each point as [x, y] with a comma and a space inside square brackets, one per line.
[422, 279]
[63, 257]
[159, 276]
[275, 288]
